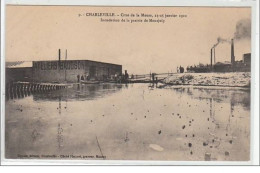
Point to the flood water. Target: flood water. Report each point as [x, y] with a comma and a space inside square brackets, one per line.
[130, 122]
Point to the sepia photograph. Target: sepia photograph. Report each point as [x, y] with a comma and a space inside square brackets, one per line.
[150, 83]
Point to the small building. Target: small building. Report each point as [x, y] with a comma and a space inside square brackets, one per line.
[71, 70]
[222, 67]
[247, 59]
[18, 71]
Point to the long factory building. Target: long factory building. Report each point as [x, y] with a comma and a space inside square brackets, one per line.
[61, 71]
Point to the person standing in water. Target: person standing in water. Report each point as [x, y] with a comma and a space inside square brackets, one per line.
[78, 77]
[82, 78]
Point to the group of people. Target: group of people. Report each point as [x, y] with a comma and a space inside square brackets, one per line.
[117, 77]
[180, 69]
[82, 78]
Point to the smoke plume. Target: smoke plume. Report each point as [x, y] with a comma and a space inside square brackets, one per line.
[221, 40]
[243, 29]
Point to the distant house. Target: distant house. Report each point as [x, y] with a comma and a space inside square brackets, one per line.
[18, 71]
[222, 66]
[247, 59]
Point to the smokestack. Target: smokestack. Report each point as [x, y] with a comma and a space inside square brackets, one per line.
[211, 57]
[214, 56]
[59, 54]
[232, 53]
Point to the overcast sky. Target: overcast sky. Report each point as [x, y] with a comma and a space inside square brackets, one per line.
[37, 32]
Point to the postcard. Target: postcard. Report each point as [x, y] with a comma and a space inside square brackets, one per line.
[128, 83]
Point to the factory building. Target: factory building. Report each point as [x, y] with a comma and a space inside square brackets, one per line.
[247, 59]
[232, 66]
[71, 70]
[59, 71]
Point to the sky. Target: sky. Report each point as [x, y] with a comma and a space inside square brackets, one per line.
[37, 32]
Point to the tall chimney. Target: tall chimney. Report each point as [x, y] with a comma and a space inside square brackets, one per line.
[232, 53]
[214, 56]
[59, 54]
[211, 57]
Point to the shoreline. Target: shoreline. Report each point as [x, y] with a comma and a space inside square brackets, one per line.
[173, 86]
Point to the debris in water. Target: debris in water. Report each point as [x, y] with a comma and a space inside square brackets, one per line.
[207, 157]
[226, 153]
[205, 144]
[156, 147]
[126, 137]
[34, 134]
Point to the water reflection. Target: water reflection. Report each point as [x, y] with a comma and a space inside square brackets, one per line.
[134, 121]
[79, 92]
[235, 97]
[17, 94]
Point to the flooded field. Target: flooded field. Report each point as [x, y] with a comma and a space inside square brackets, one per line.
[130, 122]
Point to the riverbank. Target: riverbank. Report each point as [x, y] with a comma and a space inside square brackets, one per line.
[234, 79]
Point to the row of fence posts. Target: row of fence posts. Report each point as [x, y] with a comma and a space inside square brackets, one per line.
[20, 90]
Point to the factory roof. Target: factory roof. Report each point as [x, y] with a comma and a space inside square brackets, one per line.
[18, 64]
[77, 60]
